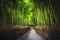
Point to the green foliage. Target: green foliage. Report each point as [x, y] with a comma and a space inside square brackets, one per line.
[27, 12]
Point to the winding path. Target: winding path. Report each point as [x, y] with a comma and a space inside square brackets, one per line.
[31, 35]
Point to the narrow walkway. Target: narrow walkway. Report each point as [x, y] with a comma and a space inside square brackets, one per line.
[31, 35]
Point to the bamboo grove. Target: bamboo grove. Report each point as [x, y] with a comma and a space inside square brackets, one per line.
[28, 12]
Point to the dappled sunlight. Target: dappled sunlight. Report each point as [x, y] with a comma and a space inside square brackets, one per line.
[32, 30]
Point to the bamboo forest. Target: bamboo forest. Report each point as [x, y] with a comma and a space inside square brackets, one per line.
[17, 17]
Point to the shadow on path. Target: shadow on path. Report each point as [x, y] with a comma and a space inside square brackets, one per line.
[31, 35]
